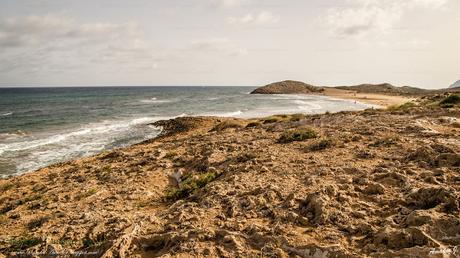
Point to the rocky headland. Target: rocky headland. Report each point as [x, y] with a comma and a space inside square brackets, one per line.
[383, 94]
[287, 87]
[373, 183]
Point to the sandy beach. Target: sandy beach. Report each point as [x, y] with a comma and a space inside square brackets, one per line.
[369, 98]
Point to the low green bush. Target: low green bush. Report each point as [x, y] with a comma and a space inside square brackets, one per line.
[321, 144]
[23, 243]
[450, 101]
[190, 186]
[300, 134]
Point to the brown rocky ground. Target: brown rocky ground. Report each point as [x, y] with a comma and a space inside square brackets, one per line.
[360, 184]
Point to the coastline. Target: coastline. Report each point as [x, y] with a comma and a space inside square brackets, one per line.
[369, 98]
[225, 186]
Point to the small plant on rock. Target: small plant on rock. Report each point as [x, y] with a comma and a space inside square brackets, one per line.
[191, 185]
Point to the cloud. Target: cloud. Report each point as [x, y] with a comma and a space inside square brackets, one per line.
[40, 43]
[263, 18]
[373, 16]
[34, 30]
[232, 3]
[221, 45]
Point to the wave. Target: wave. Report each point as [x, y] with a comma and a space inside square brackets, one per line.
[213, 98]
[155, 101]
[307, 105]
[6, 114]
[104, 129]
[33, 152]
[11, 136]
[224, 114]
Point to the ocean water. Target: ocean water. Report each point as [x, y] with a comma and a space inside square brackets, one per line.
[42, 126]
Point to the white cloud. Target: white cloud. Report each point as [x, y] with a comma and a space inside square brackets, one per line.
[34, 30]
[47, 43]
[373, 16]
[263, 18]
[229, 4]
[222, 45]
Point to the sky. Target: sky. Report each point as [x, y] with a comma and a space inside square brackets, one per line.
[229, 42]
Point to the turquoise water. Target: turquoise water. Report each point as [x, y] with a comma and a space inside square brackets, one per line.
[42, 126]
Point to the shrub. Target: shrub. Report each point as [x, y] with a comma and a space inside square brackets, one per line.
[170, 155]
[245, 157]
[226, 125]
[298, 135]
[404, 106]
[23, 243]
[386, 141]
[450, 101]
[296, 117]
[321, 144]
[190, 186]
[253, 124]
[5, 187]
[271, 120]
[38, 222]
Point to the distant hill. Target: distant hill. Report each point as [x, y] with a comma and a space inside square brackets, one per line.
[297, 87]
[287, 87]
[455, 85]
[384, 88]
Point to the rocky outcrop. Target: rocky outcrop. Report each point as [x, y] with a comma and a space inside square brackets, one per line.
[455, 85]
[287, 87]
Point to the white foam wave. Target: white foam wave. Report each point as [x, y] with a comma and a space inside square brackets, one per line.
[91, 132]
[307, 105]
[155, 101]
[224, 114]
[6, 114]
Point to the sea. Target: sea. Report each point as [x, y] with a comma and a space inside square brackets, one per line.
[43, 126]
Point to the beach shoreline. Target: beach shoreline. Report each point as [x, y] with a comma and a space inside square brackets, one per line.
[226, 186]
[382, 100]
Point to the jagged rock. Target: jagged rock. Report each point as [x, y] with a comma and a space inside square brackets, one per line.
[374, 189]
[315, 206]
[431, 197]
[400, 239]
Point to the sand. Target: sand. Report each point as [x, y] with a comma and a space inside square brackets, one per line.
[369, 98]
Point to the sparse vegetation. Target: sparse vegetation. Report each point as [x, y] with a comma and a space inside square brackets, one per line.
[386, 141]
[5, 187]
[450, 101]
[300, 134]
[404, 106]
[245, 157]
[143, 203]
[253, 124]
[170, 155]
[38, 222]
[271, 120]
[23, 243]
[89, 243]
[296, 117]
[191, 185]
[227, 125]
[322, 144]
[282, 118]
[86, 194]
[3, 219]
